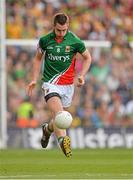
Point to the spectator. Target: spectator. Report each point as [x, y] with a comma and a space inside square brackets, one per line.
[96, 20]
[25, 117]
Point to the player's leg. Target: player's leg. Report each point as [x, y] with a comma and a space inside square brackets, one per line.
[50, 91]
[67, 94]
[53, 97]
[55, 105]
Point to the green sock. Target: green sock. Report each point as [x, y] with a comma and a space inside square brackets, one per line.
[49, 131]
[60, 139]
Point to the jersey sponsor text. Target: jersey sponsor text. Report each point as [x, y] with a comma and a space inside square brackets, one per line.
[58, 58]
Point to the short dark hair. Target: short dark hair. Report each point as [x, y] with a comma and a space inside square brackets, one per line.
[60, 18]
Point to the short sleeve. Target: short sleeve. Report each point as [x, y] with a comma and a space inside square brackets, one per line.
[40, 46]
[80, 47]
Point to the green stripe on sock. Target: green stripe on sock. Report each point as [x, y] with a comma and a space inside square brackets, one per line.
[60, 139]
[49, 130]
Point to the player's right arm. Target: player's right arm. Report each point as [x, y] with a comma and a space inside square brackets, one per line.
[35, 72]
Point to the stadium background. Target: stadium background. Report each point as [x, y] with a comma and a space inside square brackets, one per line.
[103, 108]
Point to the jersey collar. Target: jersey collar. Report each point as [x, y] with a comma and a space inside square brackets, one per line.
[66, 34]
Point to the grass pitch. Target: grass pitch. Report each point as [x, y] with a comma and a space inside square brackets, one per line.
[52, 164]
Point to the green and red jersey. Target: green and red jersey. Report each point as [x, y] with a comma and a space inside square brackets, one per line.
[60, 57]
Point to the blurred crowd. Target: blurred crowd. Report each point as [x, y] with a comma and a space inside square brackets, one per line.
[107, 98]
[90, 19]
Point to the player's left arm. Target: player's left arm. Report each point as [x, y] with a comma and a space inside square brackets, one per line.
[85, 67]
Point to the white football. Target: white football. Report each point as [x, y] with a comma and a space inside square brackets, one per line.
[63, 119]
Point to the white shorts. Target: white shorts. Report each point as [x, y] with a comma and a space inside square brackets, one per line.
[65, 92]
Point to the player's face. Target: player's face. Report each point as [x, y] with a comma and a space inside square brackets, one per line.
[60, 30]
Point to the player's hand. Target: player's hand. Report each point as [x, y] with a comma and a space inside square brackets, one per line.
[31, 86]
[80, 81]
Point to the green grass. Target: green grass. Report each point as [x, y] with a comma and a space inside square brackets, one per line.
[52, 164]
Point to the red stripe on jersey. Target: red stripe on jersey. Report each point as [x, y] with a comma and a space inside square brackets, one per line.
[68, 76]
